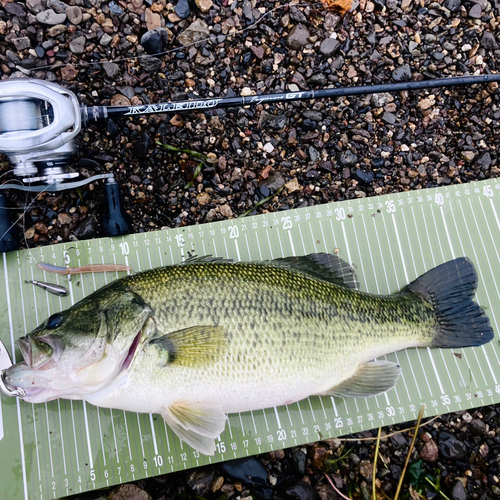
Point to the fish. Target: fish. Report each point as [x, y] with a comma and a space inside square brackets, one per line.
[197, 341]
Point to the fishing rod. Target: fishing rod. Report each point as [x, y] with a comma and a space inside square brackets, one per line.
[40, 120]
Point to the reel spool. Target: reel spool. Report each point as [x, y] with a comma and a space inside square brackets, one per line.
[38, 123]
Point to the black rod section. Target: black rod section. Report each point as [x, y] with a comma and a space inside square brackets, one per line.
[98, 113]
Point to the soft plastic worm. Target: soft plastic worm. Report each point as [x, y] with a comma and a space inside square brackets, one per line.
[92, 268]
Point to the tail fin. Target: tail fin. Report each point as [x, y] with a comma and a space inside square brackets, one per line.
[450, 289]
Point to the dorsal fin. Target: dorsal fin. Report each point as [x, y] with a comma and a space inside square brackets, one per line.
[323, 266]
[205, 259]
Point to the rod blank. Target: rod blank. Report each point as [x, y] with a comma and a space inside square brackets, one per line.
[99, 113]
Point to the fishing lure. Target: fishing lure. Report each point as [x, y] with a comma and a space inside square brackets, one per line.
[50, 287]
[91, 268]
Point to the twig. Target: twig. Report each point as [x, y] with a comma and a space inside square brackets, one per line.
[435, 488]
[374, 492]
[335, 488]
[401, 479]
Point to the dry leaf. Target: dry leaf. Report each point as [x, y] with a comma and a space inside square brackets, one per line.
[341, 6]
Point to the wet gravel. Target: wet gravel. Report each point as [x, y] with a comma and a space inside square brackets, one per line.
[306, 153]
[455, 456]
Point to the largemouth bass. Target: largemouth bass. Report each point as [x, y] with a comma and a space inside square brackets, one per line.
[197, 341]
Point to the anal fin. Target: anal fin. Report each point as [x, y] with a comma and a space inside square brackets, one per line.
[196, 423]
[369, 380]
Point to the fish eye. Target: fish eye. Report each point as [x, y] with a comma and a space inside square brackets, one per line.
[55, 321]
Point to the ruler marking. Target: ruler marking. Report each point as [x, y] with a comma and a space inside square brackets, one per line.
[346, 244]
[225, 246]
[114, 435]
[248, 248]
[237, 250]
[334, 406]
[302, 239]
[242, 426]
[265, 418]
[277, 417]
[258, 245]
[323, 407]
[85, 418]
[381, 255]
[443, 258]
[159, 255]
[359, 253]
[100, 434]
[166, 437]
[62, 436]
[270, 246]
[300, 413]
[36, 443]
[153, 433]
[48, 439]
[128, 436]
[323, 236]
[312, 411]
[279, 239]
[313, 239]
[140, 434]
[370, 253]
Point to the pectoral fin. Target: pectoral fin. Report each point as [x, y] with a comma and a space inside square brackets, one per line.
[194, 346]
[197, 424]
[369, 380]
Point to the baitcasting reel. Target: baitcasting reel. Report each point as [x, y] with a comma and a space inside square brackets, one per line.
[38, 123]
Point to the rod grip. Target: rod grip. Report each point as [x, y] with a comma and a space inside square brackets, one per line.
[8, 232]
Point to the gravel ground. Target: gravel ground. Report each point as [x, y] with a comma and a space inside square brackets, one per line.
[306, 153]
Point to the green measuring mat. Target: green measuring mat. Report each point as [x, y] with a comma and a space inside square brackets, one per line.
[65, 447]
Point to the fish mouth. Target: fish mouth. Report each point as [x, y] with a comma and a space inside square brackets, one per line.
[34, 351]
[25, 347]
[131, 353]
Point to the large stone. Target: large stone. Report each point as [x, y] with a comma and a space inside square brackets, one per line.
[329, 46]
[153, 20]
[111, 68]
[402, 73]
[155, 41]
[74, 14]
[77, 45]
[451, 448]
[50, 17]
[298, 37]
[196, 31]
